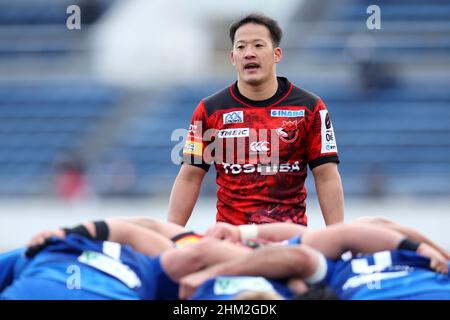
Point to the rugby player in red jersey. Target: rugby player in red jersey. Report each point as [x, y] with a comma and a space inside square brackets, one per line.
[260, 133]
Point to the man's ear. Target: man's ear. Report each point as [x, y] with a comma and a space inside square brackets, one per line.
[233, 62]
[278, 54]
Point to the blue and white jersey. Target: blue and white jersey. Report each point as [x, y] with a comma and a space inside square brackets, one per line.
[228, 287]
[386, 275]
[79, 268]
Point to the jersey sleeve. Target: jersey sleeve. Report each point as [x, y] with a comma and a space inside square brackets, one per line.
[8, 261]
[321, 144]
[196, 140]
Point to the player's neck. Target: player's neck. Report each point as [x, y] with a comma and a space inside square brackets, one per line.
[259, 92]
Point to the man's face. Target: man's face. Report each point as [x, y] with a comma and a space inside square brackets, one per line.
[253, 54]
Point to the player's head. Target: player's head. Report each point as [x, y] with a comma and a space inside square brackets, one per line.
[255, 40]
[272, 26]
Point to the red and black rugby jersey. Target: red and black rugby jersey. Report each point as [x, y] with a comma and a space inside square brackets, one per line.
[261, 150]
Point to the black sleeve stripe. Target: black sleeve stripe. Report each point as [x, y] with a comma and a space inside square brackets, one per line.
[203, 165]
[322, 160]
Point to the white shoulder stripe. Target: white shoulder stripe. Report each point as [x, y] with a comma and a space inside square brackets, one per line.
[112, 249]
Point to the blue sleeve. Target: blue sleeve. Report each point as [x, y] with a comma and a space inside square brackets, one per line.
[295, 240]
[8, 265]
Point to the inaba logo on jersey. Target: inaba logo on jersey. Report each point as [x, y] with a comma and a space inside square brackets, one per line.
[287, 113]
[233, 117]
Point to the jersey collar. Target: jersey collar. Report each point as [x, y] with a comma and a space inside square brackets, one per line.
[284, 88]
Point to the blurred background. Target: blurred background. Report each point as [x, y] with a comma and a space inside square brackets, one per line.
[87, 114]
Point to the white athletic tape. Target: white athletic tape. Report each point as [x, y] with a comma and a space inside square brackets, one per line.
[321, 270]
[248, 231]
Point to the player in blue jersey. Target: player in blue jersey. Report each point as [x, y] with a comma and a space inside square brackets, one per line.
[179, 235]
[83, 265]
[171, 265]
[384, 275]
[23, 276]
[280, 232]
[253, 235]
[379, 275]
[105, 260]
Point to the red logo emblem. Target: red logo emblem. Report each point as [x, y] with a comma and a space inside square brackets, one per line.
[288, 132]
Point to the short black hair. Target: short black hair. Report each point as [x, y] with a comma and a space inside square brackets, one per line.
[275, 31]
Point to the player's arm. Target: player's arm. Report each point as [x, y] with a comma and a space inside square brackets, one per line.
[141, 239]
[166, 229]
[408, 232]
[332, 242]
[272, 262]
[322, 157]
[329, 192]
[356, 237]
[363, 238]
[178, 263]
[116, 230]
[277, 231]
[185, 193]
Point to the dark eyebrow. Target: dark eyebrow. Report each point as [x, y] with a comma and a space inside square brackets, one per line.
[242, 41]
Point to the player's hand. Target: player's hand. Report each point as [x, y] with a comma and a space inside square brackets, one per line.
[447, 255]
[40, 237]
[190, 283]
[224, 231]
[40, 240]
[438, 263]
[297, 285]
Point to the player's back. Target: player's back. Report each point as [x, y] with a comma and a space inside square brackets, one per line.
[229, 287]
[387, 275]
[78, 268]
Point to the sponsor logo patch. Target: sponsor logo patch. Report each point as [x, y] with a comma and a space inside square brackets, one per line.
[233, 133]
[327, 132]
[192, 129]
[232, 285]
[193, 148]
[287, 113]
[260, 168]
[260, 146]
[113, 267]
[233, 117]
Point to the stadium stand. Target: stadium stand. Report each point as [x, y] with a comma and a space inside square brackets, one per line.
[387, 91]
[392, 125]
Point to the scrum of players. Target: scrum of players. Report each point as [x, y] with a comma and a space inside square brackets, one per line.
[143, 258]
